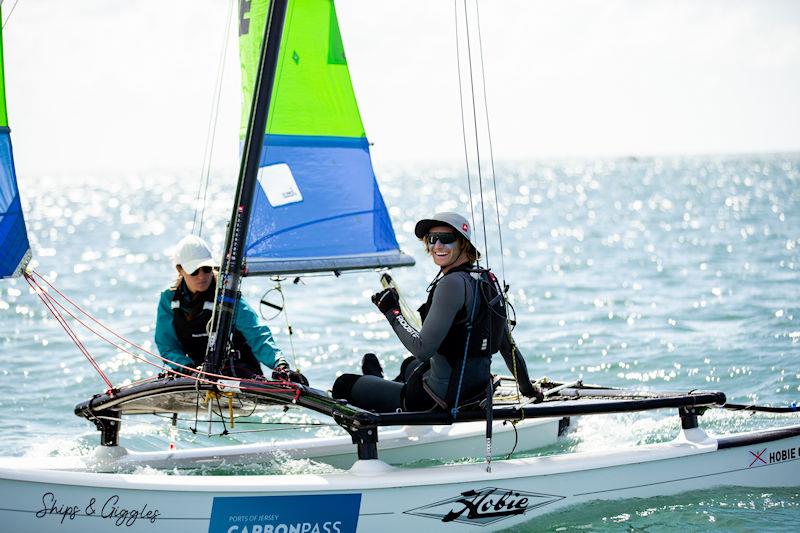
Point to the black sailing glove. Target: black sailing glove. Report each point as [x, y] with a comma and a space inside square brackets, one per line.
[283, 372]
[297, 377]
[388, 301]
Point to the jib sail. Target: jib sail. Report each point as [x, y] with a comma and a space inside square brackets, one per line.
[317, 205]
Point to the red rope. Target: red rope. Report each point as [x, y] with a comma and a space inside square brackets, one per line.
[191, 373]
[48, 302]
[120, 337]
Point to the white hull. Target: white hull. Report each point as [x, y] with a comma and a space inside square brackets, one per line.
[386, 499]
[403, 445]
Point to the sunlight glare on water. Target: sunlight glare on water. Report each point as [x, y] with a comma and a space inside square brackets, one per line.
[665, 274]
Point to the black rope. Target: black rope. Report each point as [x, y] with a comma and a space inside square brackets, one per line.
[205, 171]
[516, 437]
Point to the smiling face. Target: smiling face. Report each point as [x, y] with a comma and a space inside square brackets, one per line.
[446, 256]
[198, 282]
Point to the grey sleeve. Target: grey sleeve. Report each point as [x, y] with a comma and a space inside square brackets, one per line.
[448, 298]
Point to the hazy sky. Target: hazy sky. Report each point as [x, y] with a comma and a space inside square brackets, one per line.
[98, 86]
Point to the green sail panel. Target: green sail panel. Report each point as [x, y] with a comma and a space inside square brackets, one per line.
[317, 205]
[13, 234]
[313, 93]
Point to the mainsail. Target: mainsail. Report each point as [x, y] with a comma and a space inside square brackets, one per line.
[317, 206]
[15, 251]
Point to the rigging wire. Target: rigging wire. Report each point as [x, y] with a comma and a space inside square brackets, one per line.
[10, 13]
[48, 303]
[211, 133]
[475, 125]
[504, 287]
[472, 81]
[491, 149]
[221, 418]
[289, 329]
[200, 376]
[461, 109]
[41, 290]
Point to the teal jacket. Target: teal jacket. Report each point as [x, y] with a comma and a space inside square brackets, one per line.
[257, 334]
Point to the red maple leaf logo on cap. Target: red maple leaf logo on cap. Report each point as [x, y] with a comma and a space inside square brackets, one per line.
[465, 227]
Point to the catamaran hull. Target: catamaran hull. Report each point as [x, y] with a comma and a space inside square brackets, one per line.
[373, 496]
[403, 445]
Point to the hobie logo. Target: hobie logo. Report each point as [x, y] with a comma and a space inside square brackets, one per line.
[485, 506]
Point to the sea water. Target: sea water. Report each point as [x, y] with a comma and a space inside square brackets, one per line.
[662, 274]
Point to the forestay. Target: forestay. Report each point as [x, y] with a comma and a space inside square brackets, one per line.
[13, 235]
[317, 206]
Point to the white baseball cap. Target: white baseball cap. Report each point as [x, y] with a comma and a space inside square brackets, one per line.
[191, 253]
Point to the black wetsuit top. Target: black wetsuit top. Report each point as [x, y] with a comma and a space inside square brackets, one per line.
[191, 314]
[448, 306]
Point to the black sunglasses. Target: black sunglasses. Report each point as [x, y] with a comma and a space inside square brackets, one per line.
[204, 270]
[444, 238]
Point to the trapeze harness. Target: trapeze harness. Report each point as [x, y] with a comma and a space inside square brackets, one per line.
[190, 317]
[476, 334]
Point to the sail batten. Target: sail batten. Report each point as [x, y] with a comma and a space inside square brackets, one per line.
[317, 202]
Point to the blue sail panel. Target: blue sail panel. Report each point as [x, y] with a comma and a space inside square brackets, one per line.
[318, 207]
[15, 251]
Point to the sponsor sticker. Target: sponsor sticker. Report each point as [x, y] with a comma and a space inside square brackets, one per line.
[765, 457]
[229, 384]
[278, 183]
[114, 509]
[324, 513]
[484, 506]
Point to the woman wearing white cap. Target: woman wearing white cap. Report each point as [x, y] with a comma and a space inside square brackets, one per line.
[451, 354]
[184, 311]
